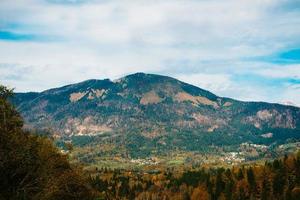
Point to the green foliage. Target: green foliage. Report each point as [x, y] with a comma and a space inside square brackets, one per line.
[30, 166]
[156, 128]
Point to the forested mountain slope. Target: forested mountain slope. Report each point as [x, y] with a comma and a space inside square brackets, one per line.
[149, 112]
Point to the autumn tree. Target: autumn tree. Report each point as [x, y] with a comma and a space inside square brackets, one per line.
[30, 166]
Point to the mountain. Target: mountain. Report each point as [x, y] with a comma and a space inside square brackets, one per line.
[152, 114]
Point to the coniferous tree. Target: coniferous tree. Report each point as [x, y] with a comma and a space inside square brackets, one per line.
[240, 174]
[251, 180]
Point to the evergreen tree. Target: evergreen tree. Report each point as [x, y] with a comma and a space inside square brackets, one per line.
[240, 174]
[265, 188]
[251, 180]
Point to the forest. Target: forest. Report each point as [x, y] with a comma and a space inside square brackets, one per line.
[31, 167]
[279, 179]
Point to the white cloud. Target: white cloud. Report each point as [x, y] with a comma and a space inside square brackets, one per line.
[291, 94]
[283, 71]
[99, 39]
[218, 83]
[223, 85]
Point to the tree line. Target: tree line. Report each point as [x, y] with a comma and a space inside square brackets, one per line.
[279, 180]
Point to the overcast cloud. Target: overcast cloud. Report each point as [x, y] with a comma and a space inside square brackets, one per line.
[244, 49]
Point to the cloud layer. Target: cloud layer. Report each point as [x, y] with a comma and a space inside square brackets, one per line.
[247, 50]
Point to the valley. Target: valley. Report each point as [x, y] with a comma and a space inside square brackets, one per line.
[146, 141]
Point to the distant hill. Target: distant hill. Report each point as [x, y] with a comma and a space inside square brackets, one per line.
[151, 113]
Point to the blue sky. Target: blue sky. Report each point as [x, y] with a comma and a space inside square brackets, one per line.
[248, 50]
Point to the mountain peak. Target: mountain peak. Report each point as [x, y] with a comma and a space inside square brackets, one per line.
[140, 76]
[155, 110]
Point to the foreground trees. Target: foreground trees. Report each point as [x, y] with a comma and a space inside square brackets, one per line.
[30, 166]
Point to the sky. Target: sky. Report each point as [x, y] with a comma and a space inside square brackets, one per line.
[243, 49]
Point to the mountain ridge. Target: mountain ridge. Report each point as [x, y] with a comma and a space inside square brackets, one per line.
[283, 103]
[148, 110]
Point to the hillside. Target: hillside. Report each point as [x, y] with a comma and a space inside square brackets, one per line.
[148, 114]
[34, 169]
[31, 167]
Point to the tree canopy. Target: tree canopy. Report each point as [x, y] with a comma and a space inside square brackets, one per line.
[31, 167]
